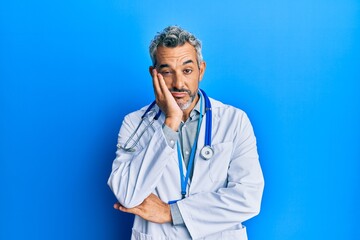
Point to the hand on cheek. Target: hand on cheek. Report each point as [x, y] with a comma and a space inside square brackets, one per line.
[166, 102]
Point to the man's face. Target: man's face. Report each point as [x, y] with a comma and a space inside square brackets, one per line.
[181, 73]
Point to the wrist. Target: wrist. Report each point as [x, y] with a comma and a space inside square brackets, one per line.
[168, 214]
[173, 122]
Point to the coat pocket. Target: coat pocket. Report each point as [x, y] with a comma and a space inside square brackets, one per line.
[136, 235]
[238, 234]
[219, 163]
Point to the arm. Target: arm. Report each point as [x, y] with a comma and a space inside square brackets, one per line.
[205, 213]
[151, 209]
[135, 175]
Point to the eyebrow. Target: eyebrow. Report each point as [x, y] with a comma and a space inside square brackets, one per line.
[188, 61]
[163, 66]
[167, 65]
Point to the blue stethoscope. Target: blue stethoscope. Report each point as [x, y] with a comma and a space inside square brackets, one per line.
[206, 152]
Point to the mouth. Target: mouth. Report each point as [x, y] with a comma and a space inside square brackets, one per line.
[179, 94]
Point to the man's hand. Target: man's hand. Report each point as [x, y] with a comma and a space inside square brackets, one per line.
[151, 209]
[166, 102]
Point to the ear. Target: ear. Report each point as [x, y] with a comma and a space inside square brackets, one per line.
[202, 68]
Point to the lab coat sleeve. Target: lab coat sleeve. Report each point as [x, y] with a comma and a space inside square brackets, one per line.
[206, 213]
[135, 175]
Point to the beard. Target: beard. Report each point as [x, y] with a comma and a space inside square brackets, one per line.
[186, 105]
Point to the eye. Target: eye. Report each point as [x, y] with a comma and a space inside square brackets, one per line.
[188, 71]
[165, 72]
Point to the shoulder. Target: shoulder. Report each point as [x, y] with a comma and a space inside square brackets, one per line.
[221, 109]
[230, 119]
[136, 115]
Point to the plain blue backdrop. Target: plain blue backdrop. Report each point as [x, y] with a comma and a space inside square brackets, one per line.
[71, 70]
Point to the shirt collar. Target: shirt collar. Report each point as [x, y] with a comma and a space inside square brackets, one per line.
[195, 113]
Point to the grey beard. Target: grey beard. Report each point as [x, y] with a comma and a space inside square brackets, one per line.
[184, 106]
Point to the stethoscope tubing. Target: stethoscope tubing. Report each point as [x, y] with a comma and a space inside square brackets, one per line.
[208, 112]
[206, 151]
[156, 117]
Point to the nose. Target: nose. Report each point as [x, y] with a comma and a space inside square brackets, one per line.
[178, 81]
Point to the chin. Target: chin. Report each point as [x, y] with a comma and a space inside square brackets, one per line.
[184, 105]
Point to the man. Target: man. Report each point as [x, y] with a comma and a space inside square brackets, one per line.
[176, 187]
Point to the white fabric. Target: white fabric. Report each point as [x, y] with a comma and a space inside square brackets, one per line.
[224, 191]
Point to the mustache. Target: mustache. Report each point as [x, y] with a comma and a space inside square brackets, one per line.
[180, 90]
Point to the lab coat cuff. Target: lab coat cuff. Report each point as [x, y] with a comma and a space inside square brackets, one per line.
[176, 215]
[170, 135]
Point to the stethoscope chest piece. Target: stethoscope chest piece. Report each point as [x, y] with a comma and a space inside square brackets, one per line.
[207, 152]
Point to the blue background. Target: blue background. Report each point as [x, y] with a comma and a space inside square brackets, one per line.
[71, 70]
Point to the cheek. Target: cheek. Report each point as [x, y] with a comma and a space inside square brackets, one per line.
[168, 82]
[193, 78]
[192, 82]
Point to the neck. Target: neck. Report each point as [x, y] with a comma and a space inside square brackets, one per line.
[186, 112]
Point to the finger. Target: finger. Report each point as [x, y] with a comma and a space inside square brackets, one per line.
[134, 210]
[161, 82]
[117, 205]
[120, 207]
[164, 89]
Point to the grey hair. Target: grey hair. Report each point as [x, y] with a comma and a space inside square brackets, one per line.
[174, 36]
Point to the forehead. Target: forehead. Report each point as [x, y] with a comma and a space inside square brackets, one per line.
[173, 56]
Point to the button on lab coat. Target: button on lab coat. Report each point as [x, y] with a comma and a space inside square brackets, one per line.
[224, 191]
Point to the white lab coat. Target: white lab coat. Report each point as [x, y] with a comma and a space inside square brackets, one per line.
[224, 191]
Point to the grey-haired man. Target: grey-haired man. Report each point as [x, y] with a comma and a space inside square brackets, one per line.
[164, 178]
